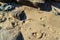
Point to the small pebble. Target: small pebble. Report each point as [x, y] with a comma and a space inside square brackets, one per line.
[34, 34]
[14, 24]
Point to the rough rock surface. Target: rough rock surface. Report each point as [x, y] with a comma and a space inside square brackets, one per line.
[36, 24]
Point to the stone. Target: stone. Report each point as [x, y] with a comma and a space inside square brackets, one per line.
[14, 24]
[55, 11]
[9, 7]
[10, 35]
[3, 6]
[6, 7]
[2, 17]
[20, 15]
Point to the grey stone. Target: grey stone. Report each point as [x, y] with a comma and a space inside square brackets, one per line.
[9, 35]
[55, 11]
[9, 7]
[5, 7]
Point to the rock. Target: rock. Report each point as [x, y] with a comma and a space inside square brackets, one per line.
[34, 34]
[6, 7]
[14, 24]
[2, 20]
[9, 7]
[2, 17]
[19, 14]
[55, 11]
[3, 6]
[10, 35]
[42, 35]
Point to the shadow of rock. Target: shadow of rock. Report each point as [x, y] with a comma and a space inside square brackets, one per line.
[20, 15]
[56, 4]
[27, 3]
[45, 6]
[15, 4]
[20, 36]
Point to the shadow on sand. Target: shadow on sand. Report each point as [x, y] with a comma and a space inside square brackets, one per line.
[47, 6]
[20, 36]
[44, 7]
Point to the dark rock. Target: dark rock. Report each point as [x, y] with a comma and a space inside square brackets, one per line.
[20, 15]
